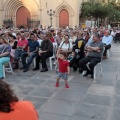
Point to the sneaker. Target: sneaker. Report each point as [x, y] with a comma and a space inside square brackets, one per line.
[22, 68]
[57, 84]
[25, 70]
[86, 74]
[54, 64]
[67, 86]
[88, 67]
[44, 70]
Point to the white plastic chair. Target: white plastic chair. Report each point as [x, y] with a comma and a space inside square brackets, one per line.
[95, 70]
[54, 56]
[108, 53]
[9, 70]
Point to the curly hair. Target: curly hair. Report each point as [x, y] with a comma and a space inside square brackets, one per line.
[7, 97]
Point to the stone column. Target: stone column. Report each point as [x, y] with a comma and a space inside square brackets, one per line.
[1, 12]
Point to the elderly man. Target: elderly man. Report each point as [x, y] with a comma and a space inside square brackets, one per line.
[95, 50]
[107, 41]
[45, 52]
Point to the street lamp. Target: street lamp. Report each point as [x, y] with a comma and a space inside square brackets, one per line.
[91, 21]
[51, 13]
[114, 20]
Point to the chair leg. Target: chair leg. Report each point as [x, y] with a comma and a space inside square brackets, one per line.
[4, 71]
[101, 69]
[108, 53]
[50, 61]
[95, 72]
[11, 68]
[34, 61]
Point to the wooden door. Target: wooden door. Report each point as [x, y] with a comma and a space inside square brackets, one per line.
[22, 17]
[64, 18]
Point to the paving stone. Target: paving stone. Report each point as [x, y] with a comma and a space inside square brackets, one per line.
[35, 81]
[81, 80]
[70, 95]
[92, 112]
[79, 86]
[48, 116]
[82, 118]
[101, 90]
[51, 84]
[98, 100]
[108, 76]
[37, 101]
[102, 81]
[117, 101]
[115, 115]
[44, 92]
[61, 107]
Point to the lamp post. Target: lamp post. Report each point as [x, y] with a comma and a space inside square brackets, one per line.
[91, 21]
[51, 13]
[114, 20]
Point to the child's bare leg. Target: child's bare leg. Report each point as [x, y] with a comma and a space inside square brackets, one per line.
[57, 82]
[66, 84]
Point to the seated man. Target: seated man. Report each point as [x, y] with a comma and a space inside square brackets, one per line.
[33, 47]
[22, 47]
[95, 50]
[45, 52]
[107, 41]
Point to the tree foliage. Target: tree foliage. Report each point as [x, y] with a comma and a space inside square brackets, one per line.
[99, 10]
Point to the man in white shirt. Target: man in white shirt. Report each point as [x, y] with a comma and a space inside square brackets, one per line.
[107, 41]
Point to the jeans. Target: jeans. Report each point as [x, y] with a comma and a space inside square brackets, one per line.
[93, 62]
[3, 60]
[43, 58]
[29, 60]
[18, 54]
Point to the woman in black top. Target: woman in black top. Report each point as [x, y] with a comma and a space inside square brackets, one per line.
[13, 43]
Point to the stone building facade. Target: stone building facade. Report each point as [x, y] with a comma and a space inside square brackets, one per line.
[34, 12]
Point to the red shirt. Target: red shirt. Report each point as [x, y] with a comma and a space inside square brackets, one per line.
[52, 39]
[63, 64]
[23, 43]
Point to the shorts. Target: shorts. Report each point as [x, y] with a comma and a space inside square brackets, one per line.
[62, 75]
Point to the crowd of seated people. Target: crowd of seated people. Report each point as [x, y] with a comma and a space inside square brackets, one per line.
[81, 44]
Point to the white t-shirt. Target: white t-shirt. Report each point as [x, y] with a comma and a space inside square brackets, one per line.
[65, 46]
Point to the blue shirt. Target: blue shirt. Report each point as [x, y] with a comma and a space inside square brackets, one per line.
[33, 45]
[107, 40]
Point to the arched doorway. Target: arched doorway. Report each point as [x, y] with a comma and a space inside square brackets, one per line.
[22, 17]
[64, 18]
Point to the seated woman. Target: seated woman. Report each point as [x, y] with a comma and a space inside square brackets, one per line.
[13, 109]
[65, 45]
[13, 44]
[5, 49]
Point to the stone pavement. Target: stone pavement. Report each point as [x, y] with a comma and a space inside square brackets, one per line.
[86, 99]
